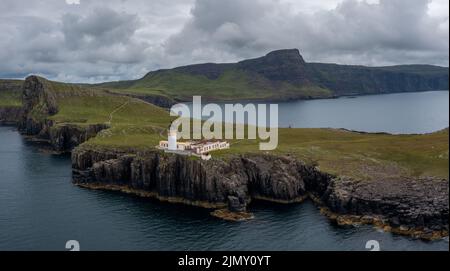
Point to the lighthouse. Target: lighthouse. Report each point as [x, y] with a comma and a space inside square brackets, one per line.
[172, 141]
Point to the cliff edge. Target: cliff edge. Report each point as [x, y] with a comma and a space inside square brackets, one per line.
[416, 207]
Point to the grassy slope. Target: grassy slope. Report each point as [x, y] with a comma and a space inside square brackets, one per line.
[136, 124]
[231, 84]
[363, 155]
[9, 96]
[236, 84]
[132, 121]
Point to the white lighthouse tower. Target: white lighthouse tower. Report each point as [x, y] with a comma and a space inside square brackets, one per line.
[172, 141]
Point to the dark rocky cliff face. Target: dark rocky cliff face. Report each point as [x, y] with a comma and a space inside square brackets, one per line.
[418, 207]
[38, 103]
[407, 205]
[10, 115]
[64, 138]
[218, 183]
[359, 80]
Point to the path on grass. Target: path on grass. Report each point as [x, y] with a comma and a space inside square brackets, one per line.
[111, 115]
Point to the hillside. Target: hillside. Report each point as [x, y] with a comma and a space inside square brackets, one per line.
[281, 75]
[10, 93]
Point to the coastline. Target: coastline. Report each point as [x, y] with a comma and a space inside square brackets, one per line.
[229, 185]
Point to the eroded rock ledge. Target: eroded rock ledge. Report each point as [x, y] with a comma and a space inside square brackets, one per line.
[414, 207]
[10, 115]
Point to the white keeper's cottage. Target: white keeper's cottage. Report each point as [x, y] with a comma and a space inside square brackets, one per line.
[200, 148]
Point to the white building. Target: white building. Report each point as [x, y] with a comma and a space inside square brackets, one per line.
[197, 148]
[172, 142]
[209, 146]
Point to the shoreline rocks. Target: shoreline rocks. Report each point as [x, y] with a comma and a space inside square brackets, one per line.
[415, 207]
[10, 115]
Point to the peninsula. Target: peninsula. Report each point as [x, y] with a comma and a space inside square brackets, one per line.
[396, 182]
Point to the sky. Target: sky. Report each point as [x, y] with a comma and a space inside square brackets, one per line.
[107, 40]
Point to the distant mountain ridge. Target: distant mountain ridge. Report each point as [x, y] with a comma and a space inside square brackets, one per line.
[282, 75]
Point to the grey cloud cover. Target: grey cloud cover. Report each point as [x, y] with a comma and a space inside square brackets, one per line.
[101, 40]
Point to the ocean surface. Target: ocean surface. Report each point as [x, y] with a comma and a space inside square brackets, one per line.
[398, 113]
[40, 209]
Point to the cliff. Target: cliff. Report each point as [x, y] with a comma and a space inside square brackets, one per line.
[39, 104]
[215, 183]
[360, 80]
[10, 115]
[415, 207]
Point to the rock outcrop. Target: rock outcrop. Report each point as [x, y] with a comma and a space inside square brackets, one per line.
[413, 206]
[217, 183]
[10, 115]
[65, 137]
[416, 207]
[39, 104]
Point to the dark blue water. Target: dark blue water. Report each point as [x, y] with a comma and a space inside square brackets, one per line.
[40, 210]
[398, 113]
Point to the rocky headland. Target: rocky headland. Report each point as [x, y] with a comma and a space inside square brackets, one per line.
[40, 103]
[414, 207]
[227, 185]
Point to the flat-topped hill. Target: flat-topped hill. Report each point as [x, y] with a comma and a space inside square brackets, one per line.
[282, 75]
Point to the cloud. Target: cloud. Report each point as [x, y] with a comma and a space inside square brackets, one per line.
[73, 2]
[101, 28]
[101, 40]
[353, 32]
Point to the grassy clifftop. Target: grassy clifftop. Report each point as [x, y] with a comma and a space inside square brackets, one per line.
[130, 120]
[334, 151]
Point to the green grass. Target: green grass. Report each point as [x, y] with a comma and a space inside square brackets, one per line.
[133, 122]
[10, 93]
[230, 85]
[362, 155]
[10, 99]
[334, 151]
